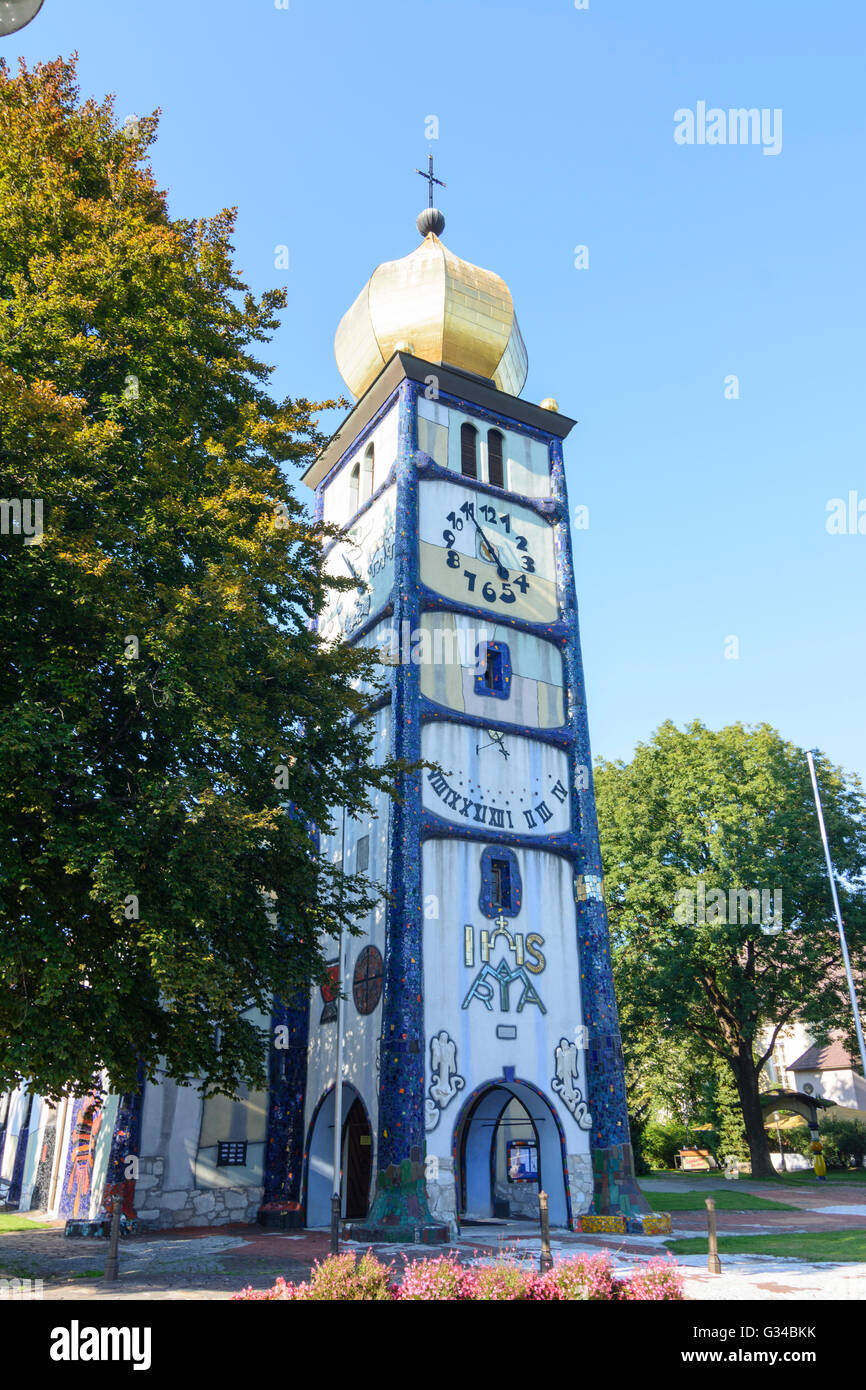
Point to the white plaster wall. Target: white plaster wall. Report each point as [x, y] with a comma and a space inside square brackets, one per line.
[452, 872]
[17, 1111]
[839, 1086]
[382, 638]
[170, 1127]
[449, 665]
[360, 1031]
[243, 1117]
[102, 1154]
[384, 439]
[526, 462]
[534, 775]
[38, 1121]
[369, 549]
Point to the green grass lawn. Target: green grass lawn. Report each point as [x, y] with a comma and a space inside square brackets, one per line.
[10, 1222]
[817, 1246]
[805, 1177]
[726, 1198]
[853, 1176]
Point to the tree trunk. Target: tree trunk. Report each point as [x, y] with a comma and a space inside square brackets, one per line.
[746, 1077]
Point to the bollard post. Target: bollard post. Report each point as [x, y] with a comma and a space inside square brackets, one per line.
[714, 1264]
[335, 1224]
[546, 1260]
[111, 1259]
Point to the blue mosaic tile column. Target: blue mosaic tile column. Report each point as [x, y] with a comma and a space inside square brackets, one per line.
[123, 1154]
[615, 1188]
[399, 1211]
[284, 1150]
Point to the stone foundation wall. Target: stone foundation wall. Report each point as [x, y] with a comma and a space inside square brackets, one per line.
[157, 1208]
[580, 1183]
[522, 1198]
[442, 1196]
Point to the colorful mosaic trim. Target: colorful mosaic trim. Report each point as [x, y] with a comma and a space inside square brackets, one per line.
[401, 1077]
[400, 1211]
[284, 1150]
[98, 1229]
[616, 1189]
[642, 1224]
[605, 1072]
[600, 1225]
[435, 827]
[125, 1144]
[656, 1223]
[431, 711]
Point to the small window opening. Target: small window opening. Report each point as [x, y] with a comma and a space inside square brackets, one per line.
[468, 451]
[501, 873]
[495, 471]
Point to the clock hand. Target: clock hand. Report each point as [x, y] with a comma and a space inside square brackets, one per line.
[353, 572]
[501, 571]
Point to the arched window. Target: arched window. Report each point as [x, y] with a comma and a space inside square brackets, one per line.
[468, 451]
[495, 473]
[354, 480]
[367, 471]
[501, 888]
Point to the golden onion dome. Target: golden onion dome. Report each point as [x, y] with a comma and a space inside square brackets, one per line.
[437, 307]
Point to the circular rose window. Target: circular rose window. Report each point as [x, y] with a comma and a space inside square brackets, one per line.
[367, 980]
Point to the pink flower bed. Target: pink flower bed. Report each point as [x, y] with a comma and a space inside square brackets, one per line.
[349, 1277]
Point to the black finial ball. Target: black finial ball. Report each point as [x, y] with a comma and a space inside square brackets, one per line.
[430, 220]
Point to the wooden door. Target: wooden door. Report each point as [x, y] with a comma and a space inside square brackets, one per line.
[358, 1148]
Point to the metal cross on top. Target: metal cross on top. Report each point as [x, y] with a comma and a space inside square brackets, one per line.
[430, 177]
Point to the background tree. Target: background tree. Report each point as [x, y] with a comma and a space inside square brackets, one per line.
[696, 811]
[161, 693]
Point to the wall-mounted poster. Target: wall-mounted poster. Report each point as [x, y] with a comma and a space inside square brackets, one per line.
[522, 1157]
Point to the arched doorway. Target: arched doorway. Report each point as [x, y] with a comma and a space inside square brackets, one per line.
[508, 1144]
[357, 1159]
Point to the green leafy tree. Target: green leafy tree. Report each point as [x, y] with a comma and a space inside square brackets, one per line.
[163, 696]
[695, 819]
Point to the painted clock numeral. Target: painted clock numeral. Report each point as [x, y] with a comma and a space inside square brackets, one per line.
[474, 554]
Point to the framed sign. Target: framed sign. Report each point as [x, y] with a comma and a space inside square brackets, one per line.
[522, 1159]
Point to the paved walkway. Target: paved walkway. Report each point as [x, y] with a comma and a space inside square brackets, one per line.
[198, 1263]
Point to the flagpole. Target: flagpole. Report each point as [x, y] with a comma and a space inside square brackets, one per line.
[851, 990]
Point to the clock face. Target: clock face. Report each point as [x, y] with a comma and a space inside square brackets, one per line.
[367, 556]
[495, 781]
[486, 553]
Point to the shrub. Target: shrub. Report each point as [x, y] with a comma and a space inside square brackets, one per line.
[661, 1142]
[339, 1278]
[281, 1290]
[440, 1278]
[507, 1279]
[844, 1141]
[345, 1277]
[659, 1279]
[586, 1277]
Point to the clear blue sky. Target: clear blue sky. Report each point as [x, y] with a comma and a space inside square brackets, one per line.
[707, 516]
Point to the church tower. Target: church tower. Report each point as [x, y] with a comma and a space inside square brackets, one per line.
[481, 1050]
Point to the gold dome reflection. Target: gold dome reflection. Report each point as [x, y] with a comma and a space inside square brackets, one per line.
[450, 311]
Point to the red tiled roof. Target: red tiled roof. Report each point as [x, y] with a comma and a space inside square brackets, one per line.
[833, 1057]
